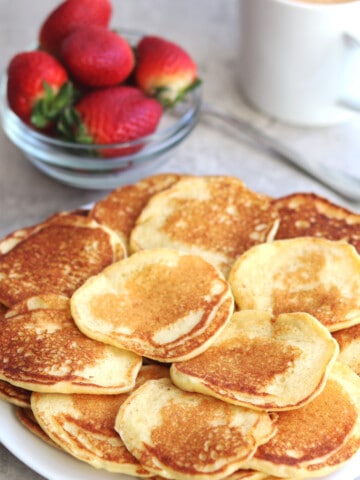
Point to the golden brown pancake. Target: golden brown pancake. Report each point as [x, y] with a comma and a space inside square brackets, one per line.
[14, 395]
[26, 418]
[83, 425]
[313, 275]
[308, 214]
[120, 209]
[217, 217]
[349, 342]
[309, 439]
[57, 257]
[161, 304]
[184, 435]
[259, 361]
[43, 350]
[12, 239]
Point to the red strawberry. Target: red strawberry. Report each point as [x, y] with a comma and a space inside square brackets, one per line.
[97, 57]
[70, 15]
[112, 115]
[37, 87]
[164, 69]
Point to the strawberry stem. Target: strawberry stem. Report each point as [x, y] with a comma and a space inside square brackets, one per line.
[71, 127]
[168, 97]
[50, 106]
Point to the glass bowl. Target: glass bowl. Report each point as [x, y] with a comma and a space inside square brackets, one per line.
[81, 165]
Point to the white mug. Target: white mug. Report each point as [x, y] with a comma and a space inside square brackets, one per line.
[300, 60]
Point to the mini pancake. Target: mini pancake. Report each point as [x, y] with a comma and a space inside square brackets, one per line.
[216, 217]
[349, 342]
[83, 425]
[309, 440]
[14, 395]
[182, 435]
[27, 419]
[259, 361]
[120, 209]
[161, 304]
[57, 257]
[12, 239]
[43, 350]
[308, 214]
[305, 274]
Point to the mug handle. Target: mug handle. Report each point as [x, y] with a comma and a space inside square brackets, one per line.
[350, 91]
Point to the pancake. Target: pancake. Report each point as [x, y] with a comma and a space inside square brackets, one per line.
[43, 350]
[308, 214]
[14, 395]
[27, 419]
[57, 257]
[309, 439]
[120, 209]
[313, 275]
[349, 342]
[216, 217]
[161, 304]
[12, 239]
[184, 435]
[83, 425]
[262, 362]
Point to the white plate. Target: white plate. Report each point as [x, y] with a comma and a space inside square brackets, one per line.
[54, 464]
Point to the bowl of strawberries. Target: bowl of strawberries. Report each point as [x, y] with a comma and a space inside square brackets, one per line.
[94, 107]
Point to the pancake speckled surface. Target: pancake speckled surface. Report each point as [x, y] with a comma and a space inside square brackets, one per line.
[83, 425]
[260, 362]
[57, 257]
[307, 214]
[314, 440]
[217, 217]
[184, 435]
[161, 304]
[313, 275]
[120, 209]
[43, 350]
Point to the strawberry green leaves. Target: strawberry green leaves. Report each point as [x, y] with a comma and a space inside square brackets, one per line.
[52, 104]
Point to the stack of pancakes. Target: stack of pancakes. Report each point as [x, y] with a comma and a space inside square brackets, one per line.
[187, 327]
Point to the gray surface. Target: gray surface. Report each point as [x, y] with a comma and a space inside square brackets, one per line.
[208, 29]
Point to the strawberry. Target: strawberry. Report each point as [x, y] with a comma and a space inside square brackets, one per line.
[70, 15]
[112, 115]
[164, 69]
[37, 87]
[97, 57]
